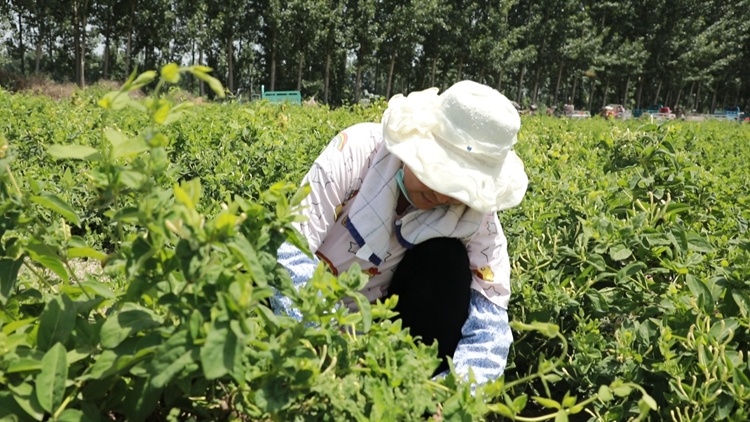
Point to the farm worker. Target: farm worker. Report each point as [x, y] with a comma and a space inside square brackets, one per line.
[414, 201]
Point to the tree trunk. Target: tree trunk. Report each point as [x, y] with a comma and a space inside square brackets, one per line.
[572, 96]
[230, 64]
[358, 81]
[624, 96]
[327, 78]
[107, 35]
[21, 46]
[272, 82]
[640, 91]
[460, 69]
[535, 90]
[300, 67]
[129, 48]
[202, 85]
[658, 92]
[79, 41]
[105, 70]
[38, 53]
[519, 91]
[557, 86]
[433, 71]
[698, 99]
[713, 98]
[391, 70]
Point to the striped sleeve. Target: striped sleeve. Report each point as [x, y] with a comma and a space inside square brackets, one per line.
[486, 340]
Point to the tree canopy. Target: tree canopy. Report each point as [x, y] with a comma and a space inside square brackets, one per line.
[688, 54]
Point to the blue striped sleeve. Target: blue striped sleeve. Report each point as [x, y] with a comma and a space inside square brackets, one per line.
[301, 268]
[486, 340]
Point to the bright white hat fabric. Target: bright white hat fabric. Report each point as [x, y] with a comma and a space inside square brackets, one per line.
[460, 143]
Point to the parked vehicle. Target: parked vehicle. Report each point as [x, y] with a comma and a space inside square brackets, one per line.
[570, 112]
[617, 111]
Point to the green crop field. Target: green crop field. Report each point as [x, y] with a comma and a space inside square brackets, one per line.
[137, 254]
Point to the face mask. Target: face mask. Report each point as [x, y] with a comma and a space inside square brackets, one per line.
[400, 182]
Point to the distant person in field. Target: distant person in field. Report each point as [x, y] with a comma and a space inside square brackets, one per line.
[414, 201]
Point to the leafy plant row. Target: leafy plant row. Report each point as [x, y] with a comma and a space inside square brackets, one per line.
[137, 254]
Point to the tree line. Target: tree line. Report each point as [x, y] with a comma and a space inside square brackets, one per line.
[692, 54]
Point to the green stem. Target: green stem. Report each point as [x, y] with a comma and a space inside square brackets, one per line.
[13, 180]
[437, 385]
[36, 273]
[552, 415]
[65, 402]
[76, 279]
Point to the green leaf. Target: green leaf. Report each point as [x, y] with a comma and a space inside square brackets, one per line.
[629, 270]
[561, 416]
[210, 80]
[701, 291]
[740, 298]
[72, 415]
[365, 309]
[300, 195]
[675, 208]
[97, 288]
[619, 252]
[115, 137]
[143, 79]
[597, 261]
[171, 73]
[604, 394]
[548, 403]
[221, 353]
[243, 250]
[24, 364]
[8, 276]
[698, 243]
[161, 114]
[86, 252]
[519, 403]
[74, 152]
[568, 400]
[129, 320]
[130, 147]
[25, 398]
[45, 255]
[114, 100]
[56, 322]
[132, 179]
[50, 383]
[598, 301]
[622, 390]
[501, 409]
[53, 203]
[188, 193]
[171, 358]
[649, 401]
[10, 411]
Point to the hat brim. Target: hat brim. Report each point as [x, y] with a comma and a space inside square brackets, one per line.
[482, 189]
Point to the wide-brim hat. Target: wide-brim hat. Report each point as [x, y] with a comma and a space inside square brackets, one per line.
[460, 143]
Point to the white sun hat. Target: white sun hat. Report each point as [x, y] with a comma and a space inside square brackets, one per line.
[459, 143]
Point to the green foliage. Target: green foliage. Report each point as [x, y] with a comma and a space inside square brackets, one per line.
[626, 240]
[141, 292]
[137, 254]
